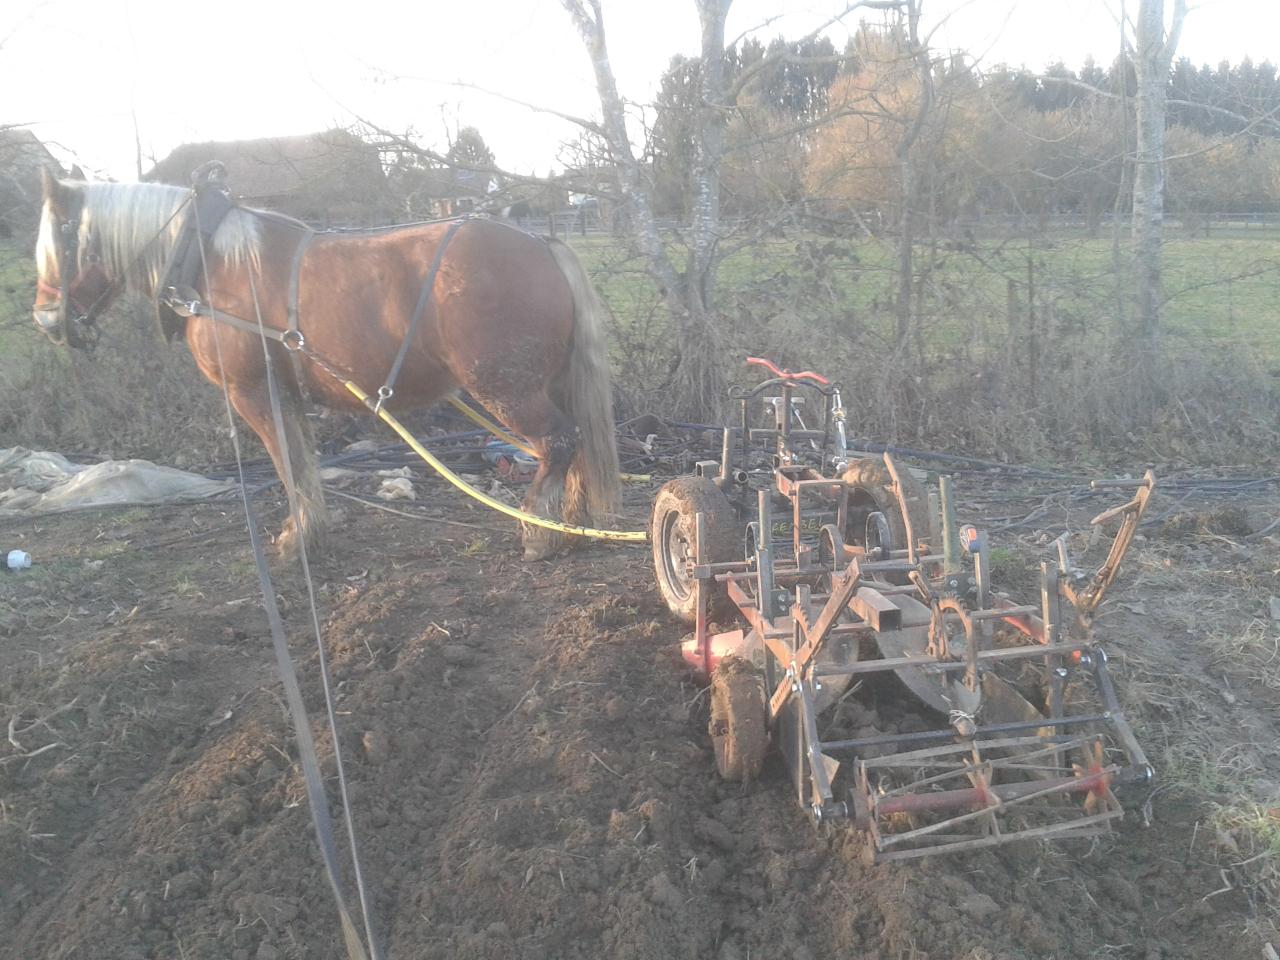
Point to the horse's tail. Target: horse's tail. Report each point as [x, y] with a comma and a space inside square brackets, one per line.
[588, 395]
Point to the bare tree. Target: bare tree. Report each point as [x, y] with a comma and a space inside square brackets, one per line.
[697, 380]
[1152, 62]
[919, 52]
[688, 297]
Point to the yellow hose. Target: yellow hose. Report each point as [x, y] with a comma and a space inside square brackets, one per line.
[631, 536]
[493, 428]
[506, 437]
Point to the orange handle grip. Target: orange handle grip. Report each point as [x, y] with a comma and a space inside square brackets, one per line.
[787, 374]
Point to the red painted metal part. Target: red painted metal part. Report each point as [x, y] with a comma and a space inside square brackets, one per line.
[1027, 624]
[705, 659]
[787, 374]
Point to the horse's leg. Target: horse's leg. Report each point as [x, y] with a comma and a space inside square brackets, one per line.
[554, 493]
[253, 403]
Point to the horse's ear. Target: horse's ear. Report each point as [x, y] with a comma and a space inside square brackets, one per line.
[76, 173]
[60, 196]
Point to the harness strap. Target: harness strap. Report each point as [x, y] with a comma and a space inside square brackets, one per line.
[387, 390]
[295, 272]
[197, 308]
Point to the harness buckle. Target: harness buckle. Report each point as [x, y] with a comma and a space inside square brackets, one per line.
[185, 302]
[295, 342]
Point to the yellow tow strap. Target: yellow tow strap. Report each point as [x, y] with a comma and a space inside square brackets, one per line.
[480, 420]
[632, 536]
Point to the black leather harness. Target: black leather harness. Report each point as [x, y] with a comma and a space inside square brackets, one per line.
[211, 202]
[181, 300]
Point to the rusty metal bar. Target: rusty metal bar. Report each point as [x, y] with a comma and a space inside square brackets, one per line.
[1090, 826]
[926, 736]
[1005, 795]
[930, 665]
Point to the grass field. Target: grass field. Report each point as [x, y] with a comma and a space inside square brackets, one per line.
[1222, 290]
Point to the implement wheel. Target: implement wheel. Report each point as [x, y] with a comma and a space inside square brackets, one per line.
[672, 532]
[871, 491]
[738, 730]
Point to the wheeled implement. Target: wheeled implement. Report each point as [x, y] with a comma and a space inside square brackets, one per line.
[817, 581]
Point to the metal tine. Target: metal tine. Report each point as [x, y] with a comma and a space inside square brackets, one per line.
[999, 805]
[1094, 824]
[917, 755]
[1078, 829]
[961, 765]
[937, 778]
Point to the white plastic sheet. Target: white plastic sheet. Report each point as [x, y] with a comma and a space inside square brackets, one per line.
[44, 482]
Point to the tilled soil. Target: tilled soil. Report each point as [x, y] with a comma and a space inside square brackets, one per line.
[531, 775]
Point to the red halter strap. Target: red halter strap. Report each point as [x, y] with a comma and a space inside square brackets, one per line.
[42, 287]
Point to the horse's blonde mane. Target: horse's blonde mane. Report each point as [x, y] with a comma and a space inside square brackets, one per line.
[133, 228]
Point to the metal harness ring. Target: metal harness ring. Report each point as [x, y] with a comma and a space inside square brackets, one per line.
[294, 341]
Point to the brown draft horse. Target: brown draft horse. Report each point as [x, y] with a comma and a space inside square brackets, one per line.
[513, 319]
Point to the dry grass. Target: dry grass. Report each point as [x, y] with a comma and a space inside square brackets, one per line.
[135, 397]
[1201, 687]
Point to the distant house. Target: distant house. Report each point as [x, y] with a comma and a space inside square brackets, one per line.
[435, 191]
[22, 156]
[330, 178]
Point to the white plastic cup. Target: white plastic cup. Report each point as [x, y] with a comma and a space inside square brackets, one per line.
[18, 560]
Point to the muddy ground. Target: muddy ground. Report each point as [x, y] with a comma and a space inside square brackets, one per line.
[530, 768]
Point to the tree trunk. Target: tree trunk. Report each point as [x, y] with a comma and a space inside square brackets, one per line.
[906, 248]
[1153, 58]
[698, 381]
[907, 173]
[700, 376]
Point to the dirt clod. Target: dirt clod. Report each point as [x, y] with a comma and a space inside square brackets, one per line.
[664, 893]
[457, 655]
[714, 832]
[376, 746]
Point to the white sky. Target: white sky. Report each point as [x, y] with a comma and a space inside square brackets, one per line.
[229, 69]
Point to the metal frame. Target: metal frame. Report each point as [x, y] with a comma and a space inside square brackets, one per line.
[972, 783]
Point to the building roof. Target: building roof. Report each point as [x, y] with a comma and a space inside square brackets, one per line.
[330, 168]
[22, 157]
[21, 152]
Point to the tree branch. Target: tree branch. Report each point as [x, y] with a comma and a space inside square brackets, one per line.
[731, 94]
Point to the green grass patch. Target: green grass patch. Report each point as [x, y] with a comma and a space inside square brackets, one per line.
[1219, 290]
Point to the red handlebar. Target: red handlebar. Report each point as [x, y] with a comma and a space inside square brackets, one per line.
[787, 374]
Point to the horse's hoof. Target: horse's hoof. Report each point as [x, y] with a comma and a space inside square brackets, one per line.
[287, 545]
[542, 547]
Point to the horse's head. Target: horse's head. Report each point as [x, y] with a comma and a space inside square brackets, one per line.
[72, 285]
